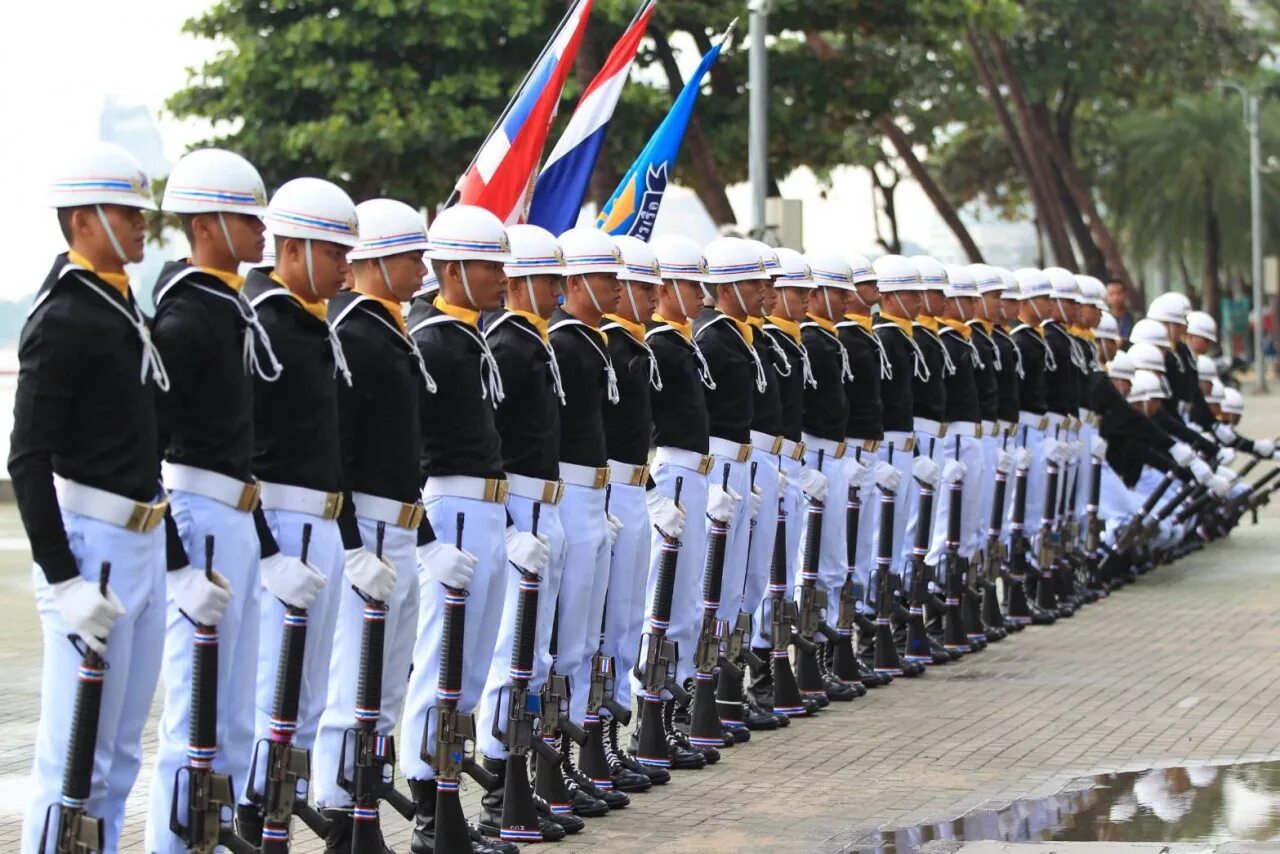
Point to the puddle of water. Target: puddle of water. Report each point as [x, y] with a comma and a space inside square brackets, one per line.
[1200, 804]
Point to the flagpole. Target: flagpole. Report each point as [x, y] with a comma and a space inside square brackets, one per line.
[453, 197]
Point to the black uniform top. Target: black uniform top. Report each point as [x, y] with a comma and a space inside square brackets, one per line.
[628, 426]
[862, 393]
[81, 410]
[767, 404]
[826, 412]
[1008, 375]
[1166, 417]
[1031, 384]
[1088, 347]
[732, 360]
[378, 414]
[1062, 379]
[528, 419]
[583, 353]
[680, 409]
[1129, 433]
[897, 405]
[459, 436]
[929, 397]
[962, 384]
[791, 374]
[1177, 378]
[1199, 412]
[987, 377]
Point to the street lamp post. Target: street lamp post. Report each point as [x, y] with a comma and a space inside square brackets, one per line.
[1252, 107]
[758, 115]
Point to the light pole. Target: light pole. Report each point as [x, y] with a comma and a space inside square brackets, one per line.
[1252, 107]
[758, 115]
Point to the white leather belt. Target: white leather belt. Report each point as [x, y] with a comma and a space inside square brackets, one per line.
[792, 450]
[1055, 420]
[765, 442]
[900, 440]
[938, 429]
[589, 476]
[210, 484]
[1088, 416]
[1032, 420]
[399, 514]
[855, 444]
[490, 489]
[299, 499]
[535, 488]
[627, 474]
[691, 460]
[1006, 428]
[992, 428]
[830, 449]
[726, 450]
[136, 516]
[965, 428]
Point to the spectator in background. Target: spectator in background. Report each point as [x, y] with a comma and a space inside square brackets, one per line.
[1118, 302]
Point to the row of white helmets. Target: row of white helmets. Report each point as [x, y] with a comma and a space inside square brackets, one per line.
[1143, 366]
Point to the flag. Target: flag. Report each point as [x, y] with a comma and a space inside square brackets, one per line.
[499, 177]
[633, 207]
[558, 195]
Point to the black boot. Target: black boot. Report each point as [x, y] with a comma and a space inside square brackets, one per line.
[679, 740]
[568, 822]
[572, 774]
[840, 692]
[759, 718]
[613, 750]
[249, 823]
[682, 759]
[423, 840]
[338, 839]
[492, 802]
[625, 778]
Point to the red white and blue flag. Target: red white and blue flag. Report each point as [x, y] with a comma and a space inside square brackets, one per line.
[563, 184]
[502, 172]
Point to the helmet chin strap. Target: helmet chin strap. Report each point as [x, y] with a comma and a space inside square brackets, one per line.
[111, 235]
[466, 285]
[635, 311]
[226, 235]
[684, 312]
[826, 298]
[311, 277]
[386, 277]
[533, 301]
[1039, 316]
[595, 303]
[897, 297]
[742, 304]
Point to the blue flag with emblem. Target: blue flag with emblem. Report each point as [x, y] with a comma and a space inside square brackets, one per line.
[633, 207]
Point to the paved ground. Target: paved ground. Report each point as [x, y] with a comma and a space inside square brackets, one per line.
[1182, 668]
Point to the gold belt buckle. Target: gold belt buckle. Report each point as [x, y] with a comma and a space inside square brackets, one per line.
[249, 497]
[798, 453]
[410, 516]
[744, 452]
[942, 429]
[495, 490]
[144, 518]
[639, 474]
[871, 445]
[551, 491]
[601, 479]
[704, 466]
[332, 505]
[841, 447]
[777, 445]
[910, 444]
[1044, 422]
[978, 430]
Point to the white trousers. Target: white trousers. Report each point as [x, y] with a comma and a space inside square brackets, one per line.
[939, 450]
[968, 450]
[582, 590]
[991, 446]
[735, 547]
[484, 536]
[793, 506]
[760, 551]
[399, 548]
[832, 551]
[628, 574]
[235, 555]
[868, 525]
[499, 676]
[1034, 507]
[891, 451]
[134, 649]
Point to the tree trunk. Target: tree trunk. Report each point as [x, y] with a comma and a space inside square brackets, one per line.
[1212, 252]
[1094, 263]
[886, 191]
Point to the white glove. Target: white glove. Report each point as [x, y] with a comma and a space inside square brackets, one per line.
[664, 514]
[1200, 471]
[202, 599]
[1227, 456]
[1225, 434]
[526, 551]
[371, 575]
[87, 612]
[813, 484]
[888, 477]
[783, 483]
[1182, 454]
[1219, 486]
[1051, 450]
[953, 471]
[925, 470]
[293, 582]
[1022, 458]
[1264, 447]
[1226, 474]
[447, 564]
[857, 472]
[1004, 461]
[1099, 448]
[722, 503]
[615, 527]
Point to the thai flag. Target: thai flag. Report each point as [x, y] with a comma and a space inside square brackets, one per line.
[499, 177]
[558, 195]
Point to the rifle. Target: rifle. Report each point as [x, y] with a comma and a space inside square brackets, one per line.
[887, 662]
[704, 717]
[812, 603]
[1019, 610]
[917, 649]
[844, 662]
[994, 555]
[783, 617]
[737, 649]
[1093, 528]
[1046, 592]
[659, 655]
[1128, 537]
[286, 766]
[449, 756]
[75, 831]
[548, 782]
[198, 823]
[954, 636]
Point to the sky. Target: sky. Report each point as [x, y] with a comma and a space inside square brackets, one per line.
[70, 56]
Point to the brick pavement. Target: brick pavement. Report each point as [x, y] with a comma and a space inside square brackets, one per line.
[1183, 667]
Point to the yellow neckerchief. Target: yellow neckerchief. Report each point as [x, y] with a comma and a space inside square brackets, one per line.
[957, 325]
[394, 309]
[930, 323]
[756, 322]
[318, 309]
[537, 321]
[744, 328]
[119, 281]
[635, 330]
[1082, 332]
[1034, 327]
[788, 326]
[231, 280]
[685, 329]
[863, 320]
[987, 325]
[466, 315]
[823, 323]
[900, 322]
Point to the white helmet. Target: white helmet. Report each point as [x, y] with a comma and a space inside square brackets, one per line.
[1121, 367]
[933, 276]
[1092, 291]
[211, 180]
[467, 233]
[1032, 283]
[1169, 308]
[960, 282]
[1008, 283]
[895, 273]
[101, 174]
[1206, 369]
[388, 227]
[1146, 357]
[769, 256]
[587, 249]
[986, 277]
[1232, 401]
[313, 209]
[1146, 386]
[863, 272]
[1107, 328]
[1217, 391]
[639, 262]
[679, 257]
[732, 259]
[795, 270]
[534, 252]
[1063, 283]
[1150, 332]
[1202, 324]
[830, 270]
